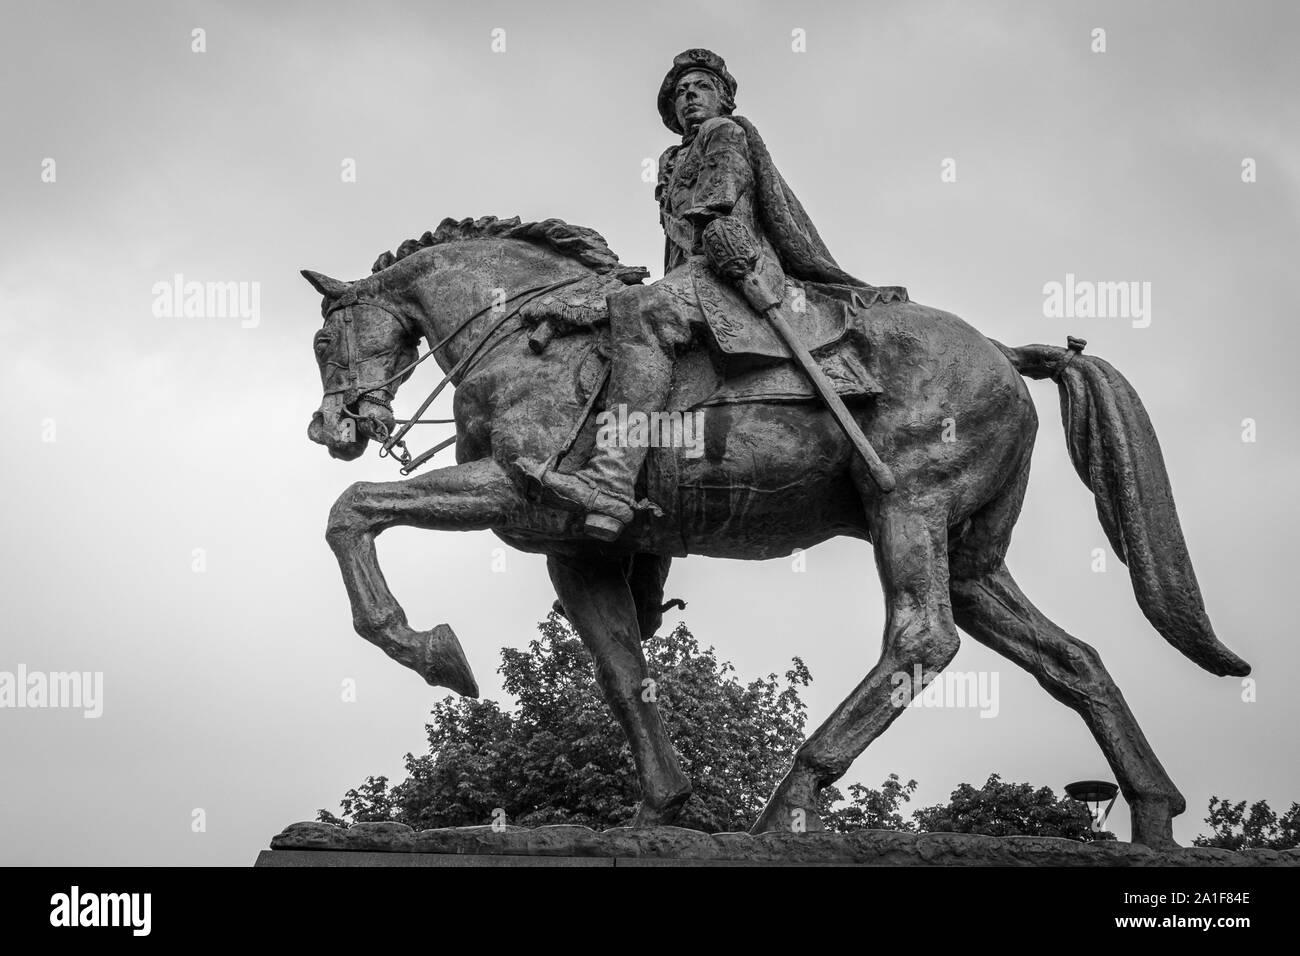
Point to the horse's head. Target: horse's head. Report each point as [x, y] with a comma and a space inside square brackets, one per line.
[362, 350]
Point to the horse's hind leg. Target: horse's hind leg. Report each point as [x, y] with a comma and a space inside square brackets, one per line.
[460, 498]
[600, 605]
[994, 611]
[911, 556]
[988, 605]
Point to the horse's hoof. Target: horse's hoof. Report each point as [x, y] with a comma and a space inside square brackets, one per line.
[790, 808]
[445, 664]
[661, 816]
[787, 819]
[1153, 822]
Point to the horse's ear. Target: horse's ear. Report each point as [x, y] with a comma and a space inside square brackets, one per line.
[330, 288]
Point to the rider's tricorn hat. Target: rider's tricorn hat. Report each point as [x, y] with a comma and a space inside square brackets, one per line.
[705, 60]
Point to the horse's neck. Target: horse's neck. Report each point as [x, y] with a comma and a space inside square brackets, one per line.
[473, 278]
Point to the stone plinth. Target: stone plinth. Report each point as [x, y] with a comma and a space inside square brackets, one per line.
[395, 844]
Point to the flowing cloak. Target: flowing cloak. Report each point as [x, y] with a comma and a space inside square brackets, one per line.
[802, 253]
[796, 252]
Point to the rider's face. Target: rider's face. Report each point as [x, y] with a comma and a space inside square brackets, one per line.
[697, 99]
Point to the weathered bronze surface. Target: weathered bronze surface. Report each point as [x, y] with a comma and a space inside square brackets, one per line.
[532, 365]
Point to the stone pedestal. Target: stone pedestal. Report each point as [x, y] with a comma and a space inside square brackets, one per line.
[394, 844]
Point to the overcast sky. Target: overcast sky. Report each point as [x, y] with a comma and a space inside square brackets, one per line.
[222, 689]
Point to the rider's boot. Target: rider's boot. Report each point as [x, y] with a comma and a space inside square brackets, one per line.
[640, 380]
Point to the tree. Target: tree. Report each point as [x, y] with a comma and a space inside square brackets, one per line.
[560, 757]
[1233, 828]
[1006, 809]
[868, 809]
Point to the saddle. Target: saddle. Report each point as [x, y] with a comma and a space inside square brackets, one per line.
[760, 370]
[833, 328]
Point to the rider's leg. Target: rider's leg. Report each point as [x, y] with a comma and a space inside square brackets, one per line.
[648, 327]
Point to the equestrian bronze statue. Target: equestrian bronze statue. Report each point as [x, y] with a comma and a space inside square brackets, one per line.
[766, 401]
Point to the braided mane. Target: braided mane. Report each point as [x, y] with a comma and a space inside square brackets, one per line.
[576, 242]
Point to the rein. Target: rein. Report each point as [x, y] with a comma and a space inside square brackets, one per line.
[394, 444]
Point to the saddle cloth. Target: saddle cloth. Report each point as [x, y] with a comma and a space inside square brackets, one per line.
[819, 313]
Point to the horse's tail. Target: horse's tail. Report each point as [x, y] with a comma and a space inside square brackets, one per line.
[1115, 451]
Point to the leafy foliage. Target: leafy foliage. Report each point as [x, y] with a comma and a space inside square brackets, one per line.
[1006, 809]
[868, 809]
[1235, 828]
[560, 757]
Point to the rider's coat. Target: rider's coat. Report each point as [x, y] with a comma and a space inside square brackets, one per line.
[724, 170]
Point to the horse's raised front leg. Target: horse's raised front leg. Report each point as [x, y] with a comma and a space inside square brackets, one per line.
[466, 497]
[599, 603]
[911, 556]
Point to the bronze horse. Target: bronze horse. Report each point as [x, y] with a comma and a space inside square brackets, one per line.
[773, 477]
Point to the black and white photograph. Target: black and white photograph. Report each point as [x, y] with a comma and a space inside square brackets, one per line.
[453, 450]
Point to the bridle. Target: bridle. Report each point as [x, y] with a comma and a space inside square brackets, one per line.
[379, 393]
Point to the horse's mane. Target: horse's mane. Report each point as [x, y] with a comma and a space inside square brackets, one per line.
[579, 243]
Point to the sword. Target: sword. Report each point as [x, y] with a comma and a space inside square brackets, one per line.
[731, 250]
[879, 471]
